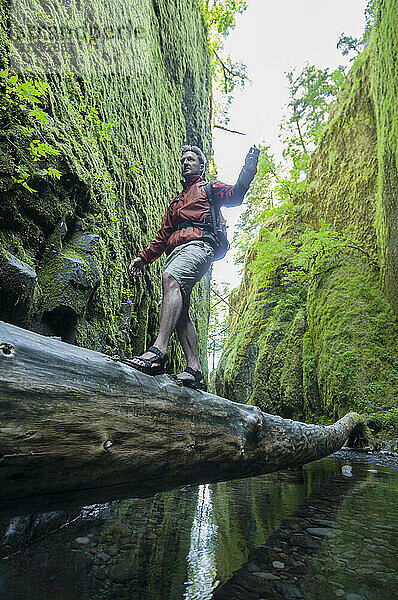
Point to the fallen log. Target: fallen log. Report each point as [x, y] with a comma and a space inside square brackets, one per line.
[77, 426]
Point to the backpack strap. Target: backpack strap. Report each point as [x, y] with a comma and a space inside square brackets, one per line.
[209, 194]
[175, 198]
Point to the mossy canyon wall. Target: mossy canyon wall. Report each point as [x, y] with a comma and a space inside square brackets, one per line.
[116, 117]
[316, 350]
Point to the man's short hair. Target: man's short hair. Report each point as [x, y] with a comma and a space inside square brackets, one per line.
[197, 151]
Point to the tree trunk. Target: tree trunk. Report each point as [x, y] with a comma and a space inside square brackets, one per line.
[78, 426]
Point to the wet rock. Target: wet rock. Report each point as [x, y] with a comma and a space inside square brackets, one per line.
[288, 590]
[367, 591]
[85, 242]
[269, 576]
[323, 522]
[311, 544]
[298, 568]
[68, 278]
[274, 555]
[378, 541]
[82, 540]
[124, 541]
[100, 574]
[371, 546]
[349, 554]
[250, 581]
[238, 593]
[295, 527]
[364, 571]
[18, 282]
[103, 556]
[122, 572]
[120, 530]
[250, 566]
[278, 565]
[320, 531]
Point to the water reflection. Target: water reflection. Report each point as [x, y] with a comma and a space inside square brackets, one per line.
[284, 564]
[202, 569]
[178, 545]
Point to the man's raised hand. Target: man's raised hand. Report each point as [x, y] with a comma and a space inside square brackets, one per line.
[135, 266]
[251, 159]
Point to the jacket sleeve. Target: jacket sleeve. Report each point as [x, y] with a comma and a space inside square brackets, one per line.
[159, 243]
[232, 195]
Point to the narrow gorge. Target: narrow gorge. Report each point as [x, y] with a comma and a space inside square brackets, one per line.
[314, 346]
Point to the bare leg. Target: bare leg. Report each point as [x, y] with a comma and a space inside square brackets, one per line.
[189, 341]
[170, 313]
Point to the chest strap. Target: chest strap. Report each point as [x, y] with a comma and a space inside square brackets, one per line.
[199, 224]
[212, 215]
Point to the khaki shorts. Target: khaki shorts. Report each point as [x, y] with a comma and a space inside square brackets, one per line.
[187, 264]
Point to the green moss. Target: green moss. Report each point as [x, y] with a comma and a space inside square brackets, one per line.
[384, 87]
[384, 421]
[277, 387]
[343, 170]
[261, 363]
[312, 404]
[291, 380]
[355, 336]
[346, 360]
[14, 244]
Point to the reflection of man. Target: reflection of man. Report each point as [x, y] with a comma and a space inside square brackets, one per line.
[190, 252]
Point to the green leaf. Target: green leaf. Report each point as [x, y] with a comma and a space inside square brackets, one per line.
[25, 185]
[52, 172]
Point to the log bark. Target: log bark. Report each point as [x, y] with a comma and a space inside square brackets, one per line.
[77, 426]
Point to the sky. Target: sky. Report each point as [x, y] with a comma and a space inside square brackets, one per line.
[272, 38]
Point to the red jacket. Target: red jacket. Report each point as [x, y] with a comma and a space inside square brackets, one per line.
[191, 205]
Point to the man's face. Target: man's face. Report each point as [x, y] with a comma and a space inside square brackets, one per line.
[190, 164]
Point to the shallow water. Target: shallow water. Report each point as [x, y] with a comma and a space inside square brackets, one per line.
[182, 544]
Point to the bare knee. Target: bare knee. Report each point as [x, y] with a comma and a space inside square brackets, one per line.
[169, 283]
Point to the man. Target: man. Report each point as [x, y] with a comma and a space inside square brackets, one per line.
[189, 245]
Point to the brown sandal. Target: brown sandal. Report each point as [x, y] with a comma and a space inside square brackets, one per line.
[160, 357]
[196, 384]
